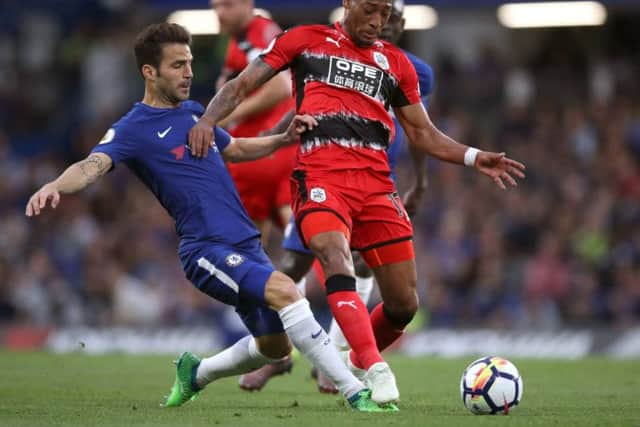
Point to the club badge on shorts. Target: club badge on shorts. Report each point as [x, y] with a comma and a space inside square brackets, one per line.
[381, 60]
[318, 195]
[234, 260]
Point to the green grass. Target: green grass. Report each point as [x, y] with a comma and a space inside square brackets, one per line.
[39, 389]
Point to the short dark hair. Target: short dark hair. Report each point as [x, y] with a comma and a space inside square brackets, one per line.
[149, 43]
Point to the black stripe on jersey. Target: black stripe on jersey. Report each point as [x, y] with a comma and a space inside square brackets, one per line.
[398, 98]
[340, 127]
[301, 177]
[308, 68]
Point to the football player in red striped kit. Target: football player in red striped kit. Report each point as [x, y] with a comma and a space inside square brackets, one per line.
[263, 184]
[347, 79]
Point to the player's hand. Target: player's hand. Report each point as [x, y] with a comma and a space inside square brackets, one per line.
[201, 138]
[413, 199]
[500, 168]
[299, 125]
[39, 200]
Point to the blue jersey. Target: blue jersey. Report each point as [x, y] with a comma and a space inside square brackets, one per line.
[425, 81]
[198, 193]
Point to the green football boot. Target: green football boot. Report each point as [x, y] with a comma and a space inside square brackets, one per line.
[184, 387]
[361, 402]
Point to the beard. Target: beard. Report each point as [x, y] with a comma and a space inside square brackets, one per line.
[170, 94]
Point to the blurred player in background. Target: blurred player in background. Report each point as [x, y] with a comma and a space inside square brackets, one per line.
[220, 249]
[263, 184]
[344, 197]
[297, 259]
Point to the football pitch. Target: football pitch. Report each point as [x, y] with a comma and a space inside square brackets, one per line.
[40, 389]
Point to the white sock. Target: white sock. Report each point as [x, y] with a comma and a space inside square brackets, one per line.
[240, 358]
[310, 339]
[302, 286]
[337, 337]
[364, 286]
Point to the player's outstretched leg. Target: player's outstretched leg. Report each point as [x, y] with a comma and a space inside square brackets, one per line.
[255, 380]
[296, 262]
[193, 374]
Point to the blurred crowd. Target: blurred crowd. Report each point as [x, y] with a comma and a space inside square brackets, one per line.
[563, 249]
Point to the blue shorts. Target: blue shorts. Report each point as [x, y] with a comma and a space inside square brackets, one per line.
[235, 275]
[292, 240]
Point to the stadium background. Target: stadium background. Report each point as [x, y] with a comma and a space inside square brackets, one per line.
[559, 255]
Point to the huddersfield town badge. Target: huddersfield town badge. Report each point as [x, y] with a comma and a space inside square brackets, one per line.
[381, 60]
[318, 195]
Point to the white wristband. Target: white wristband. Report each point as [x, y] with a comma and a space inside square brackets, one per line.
[470, 156]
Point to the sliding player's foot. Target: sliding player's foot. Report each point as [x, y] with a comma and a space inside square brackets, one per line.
[325, 385]
[254, 381]
[361, 402]
[184, 387]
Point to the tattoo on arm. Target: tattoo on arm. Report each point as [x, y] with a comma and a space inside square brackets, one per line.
[92, 167]
[258, 73]
[236, 90]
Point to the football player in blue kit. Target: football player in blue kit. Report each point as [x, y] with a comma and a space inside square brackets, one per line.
[220, 248]
[298, 259]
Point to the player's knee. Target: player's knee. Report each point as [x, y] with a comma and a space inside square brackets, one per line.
[281, 291]
[333, 256]
[334, 259]
[400, 311]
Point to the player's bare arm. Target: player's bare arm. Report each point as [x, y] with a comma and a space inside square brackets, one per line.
[245, 149]
[73, 179]
[270, 94]
[225, 101]
[423, 134]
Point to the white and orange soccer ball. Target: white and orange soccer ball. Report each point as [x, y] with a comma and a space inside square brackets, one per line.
[491, 385]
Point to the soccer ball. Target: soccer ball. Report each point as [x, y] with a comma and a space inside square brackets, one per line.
[491, 385]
